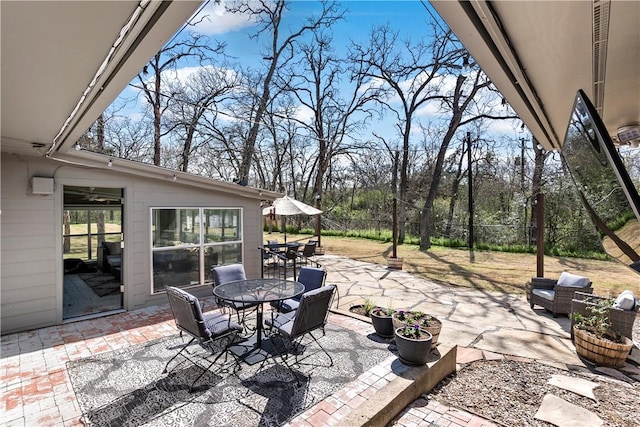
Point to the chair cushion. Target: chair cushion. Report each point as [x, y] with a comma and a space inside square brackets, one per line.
[311, 278]
[283, 322]
[114, 260]
[547, 294]
[625, 301]
[219, 324]
[288, 305]
[188, 297]
[228, 273]
[568, 279]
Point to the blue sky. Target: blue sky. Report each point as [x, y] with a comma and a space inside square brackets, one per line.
[407, 16]
[410, 18]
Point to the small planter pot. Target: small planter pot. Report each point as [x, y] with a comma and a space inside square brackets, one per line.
[602, 352]
[413, 351]
[383, 324]
[434, 328]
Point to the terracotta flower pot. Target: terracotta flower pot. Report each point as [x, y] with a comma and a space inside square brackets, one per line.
[413, 351]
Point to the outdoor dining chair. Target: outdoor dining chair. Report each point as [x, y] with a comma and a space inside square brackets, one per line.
[291, 328]
[309, 252]
[216, 333]
[230, 273]
[312, 278]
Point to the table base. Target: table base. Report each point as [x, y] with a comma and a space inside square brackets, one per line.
[251, 353]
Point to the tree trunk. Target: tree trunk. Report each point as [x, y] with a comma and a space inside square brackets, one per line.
[67, 230]
[454, 196]
[425, 219]
[536, 185]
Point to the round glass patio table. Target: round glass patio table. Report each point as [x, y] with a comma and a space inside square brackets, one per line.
[258, 291]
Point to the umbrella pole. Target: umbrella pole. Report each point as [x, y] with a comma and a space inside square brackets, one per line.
[283, 224]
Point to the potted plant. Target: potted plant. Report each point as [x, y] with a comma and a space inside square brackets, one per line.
[595, 340]
[382, 321]
[365, 308]
[414, 344]
[425, 321]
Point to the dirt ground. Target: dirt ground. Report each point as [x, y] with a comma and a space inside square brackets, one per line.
[494, 271]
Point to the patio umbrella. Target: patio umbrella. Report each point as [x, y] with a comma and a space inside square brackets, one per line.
[287, 206]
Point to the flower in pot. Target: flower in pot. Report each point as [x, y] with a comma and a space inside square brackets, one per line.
[425, 321]
[595, 340]
[413, 344]
[382, 321]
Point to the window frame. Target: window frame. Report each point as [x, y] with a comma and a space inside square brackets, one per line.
[202, 245]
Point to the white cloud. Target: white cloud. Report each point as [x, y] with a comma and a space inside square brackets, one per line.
[210, 22]
[305, 114]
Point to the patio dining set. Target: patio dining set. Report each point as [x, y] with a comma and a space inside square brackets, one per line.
[298, 311]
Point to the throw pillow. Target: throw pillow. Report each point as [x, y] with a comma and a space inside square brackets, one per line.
[113, 248]
[625, 301]
[568, 279]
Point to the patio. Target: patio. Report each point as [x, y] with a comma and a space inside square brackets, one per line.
[37, 388]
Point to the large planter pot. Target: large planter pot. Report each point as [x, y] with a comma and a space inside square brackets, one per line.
[600, 351]
[434, 328]
[382, 323]
[394, 263]
[413, 351]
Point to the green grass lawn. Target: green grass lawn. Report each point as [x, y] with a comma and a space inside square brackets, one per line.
[493, 271]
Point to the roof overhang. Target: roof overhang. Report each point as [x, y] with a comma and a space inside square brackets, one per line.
[539, 53]
[64, 62]
[92, 160]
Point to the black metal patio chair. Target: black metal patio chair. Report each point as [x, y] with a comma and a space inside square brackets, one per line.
[216, 333]
[229, 273]
[312, 278]
[292, 328]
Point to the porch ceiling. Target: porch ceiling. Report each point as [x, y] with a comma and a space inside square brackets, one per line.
[539, 53]
[51, 51]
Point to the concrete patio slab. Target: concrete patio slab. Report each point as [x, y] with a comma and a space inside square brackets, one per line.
[528, 344]
[576, 385]
[561, 413]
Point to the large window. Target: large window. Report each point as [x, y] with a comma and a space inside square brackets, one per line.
[187, 242]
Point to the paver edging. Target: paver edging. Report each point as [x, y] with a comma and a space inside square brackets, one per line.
[393, 398]
[350, 314]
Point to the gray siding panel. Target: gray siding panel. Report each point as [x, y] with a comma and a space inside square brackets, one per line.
[31, 272]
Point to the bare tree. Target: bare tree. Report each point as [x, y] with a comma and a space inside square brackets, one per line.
[337, 108]
[151, 78]
[410, 73]
[194, 99]
[268, 17]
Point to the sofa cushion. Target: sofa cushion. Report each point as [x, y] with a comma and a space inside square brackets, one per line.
[625, 301]
[113, 247]
[547, 294]
[568, 279]
[114, 260]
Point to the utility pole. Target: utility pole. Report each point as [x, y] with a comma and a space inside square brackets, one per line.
[470, 181]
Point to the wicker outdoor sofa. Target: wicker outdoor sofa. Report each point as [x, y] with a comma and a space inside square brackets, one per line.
[621, 320]
[556, 295]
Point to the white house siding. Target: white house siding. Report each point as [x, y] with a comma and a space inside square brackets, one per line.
[30, 260]
[32, 268]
